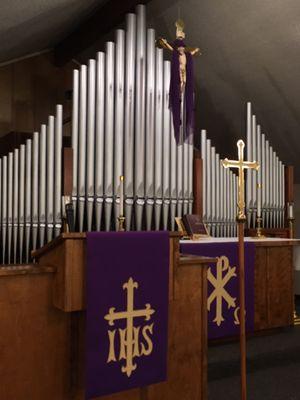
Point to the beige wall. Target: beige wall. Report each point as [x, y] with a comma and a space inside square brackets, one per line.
[29, 91]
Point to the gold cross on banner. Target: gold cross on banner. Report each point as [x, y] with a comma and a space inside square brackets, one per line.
[129, 314]
[241, 165]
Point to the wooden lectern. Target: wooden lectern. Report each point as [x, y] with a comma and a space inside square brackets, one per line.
[42, 327]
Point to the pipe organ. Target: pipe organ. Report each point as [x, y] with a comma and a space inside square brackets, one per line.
[219, 192]
[265, 190]
[122, 125]
[30, 187]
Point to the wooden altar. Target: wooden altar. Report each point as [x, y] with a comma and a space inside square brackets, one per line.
[43, 320]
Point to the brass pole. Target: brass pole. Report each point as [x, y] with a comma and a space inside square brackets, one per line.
[241, 274]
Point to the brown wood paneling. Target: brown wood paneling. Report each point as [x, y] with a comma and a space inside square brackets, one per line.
[273, 287]
[34, 338]
[197, 184]
[271, 232]
[280, 287]
[6, 78]
[187, 363]
[260, 289]
[67, 170]
[289, 184]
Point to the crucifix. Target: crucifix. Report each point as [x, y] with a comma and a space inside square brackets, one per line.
[241, 165]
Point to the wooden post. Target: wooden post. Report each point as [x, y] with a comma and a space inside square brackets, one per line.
[197, 183]
[67, 171]
[241, 227]
[289, 198]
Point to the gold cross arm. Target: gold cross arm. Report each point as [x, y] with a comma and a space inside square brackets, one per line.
[237, 164]
[112, 316]
[241, 165]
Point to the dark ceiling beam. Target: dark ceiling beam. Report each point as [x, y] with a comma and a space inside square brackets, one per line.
[104, 19]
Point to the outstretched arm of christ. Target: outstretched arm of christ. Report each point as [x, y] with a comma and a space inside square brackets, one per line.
[194, 51]
[164, 44]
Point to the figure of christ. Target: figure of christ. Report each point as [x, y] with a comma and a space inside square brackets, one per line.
[182, 84]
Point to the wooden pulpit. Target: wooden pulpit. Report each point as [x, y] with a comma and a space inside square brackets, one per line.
[43, 327]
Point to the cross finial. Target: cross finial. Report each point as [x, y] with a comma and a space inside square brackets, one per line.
[241, 165]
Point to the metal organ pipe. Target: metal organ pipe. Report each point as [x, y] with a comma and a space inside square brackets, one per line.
[75, 133]
[166, 145]
[158, 165]
[57, 169]
[15, 204]
[139, 165]
[35, 188]
[22, 201]
[109, 132]
[269, 200]
[28, 204]
[90, 144]
[150, 127]
[4, 206]
[81, 193]
[99, 141]
[42, 183]
[119, 117]
[130, 60]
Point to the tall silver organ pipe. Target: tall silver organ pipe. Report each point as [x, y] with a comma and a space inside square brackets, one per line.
[50, 178]
[4, 207]
[15, 204]
[140, 106]
[58, 139]
[265, 198]
[82, 145]
[130, 60]
[99, 160]
[42, 184]
[158, 164]
[35, 188]
[75, 130]
[28, 194]
[109, 132]
[22, 202]
[90, 159]
[150, 127]
[10, 167]
[119, 118]
[166, 145]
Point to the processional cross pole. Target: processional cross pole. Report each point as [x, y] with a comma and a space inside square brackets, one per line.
[241, 165]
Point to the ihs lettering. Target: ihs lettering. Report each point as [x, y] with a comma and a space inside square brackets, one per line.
[142, 343]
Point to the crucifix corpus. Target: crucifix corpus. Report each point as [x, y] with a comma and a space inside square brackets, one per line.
[241, 165]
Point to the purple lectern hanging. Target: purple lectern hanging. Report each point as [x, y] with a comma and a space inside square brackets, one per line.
[223, 288]
[127, 310]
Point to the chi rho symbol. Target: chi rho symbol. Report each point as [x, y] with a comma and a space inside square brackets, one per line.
[133, 341]
[219, 283]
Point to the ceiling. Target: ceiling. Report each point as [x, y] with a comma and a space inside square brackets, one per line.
[250, 53]
[29, 26]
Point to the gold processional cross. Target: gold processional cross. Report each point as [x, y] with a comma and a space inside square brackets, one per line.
[241, 165]
[129, 315]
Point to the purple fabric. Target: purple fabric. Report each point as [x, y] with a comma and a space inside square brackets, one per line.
[175, 93]
[228, 327]
[112, 259]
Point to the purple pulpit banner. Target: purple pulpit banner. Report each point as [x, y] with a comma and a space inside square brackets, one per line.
[127, 310]
[223, 287]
